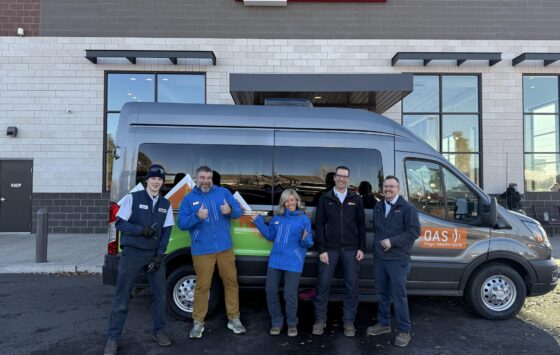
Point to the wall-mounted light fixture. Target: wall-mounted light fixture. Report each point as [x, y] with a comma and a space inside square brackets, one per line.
[12, 131]
[20, 32]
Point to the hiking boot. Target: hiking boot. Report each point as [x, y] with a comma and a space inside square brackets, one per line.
[292, 331]
[349, 330]
[236, 326]
[319, 327]
[378, 329]
[111, 347]
[402, 339]
[161, 338]
[275, 330]
[197, 329]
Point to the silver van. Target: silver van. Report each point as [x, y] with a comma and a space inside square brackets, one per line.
[469, 246]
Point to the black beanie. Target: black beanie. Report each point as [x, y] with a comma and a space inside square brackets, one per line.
[156, 170]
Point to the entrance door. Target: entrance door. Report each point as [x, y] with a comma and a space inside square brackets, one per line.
[16, 188]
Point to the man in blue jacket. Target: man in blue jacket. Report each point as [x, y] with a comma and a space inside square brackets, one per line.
[145, 220]
[396, 226]
[206, 213]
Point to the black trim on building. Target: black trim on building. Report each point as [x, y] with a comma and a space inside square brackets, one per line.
[547, 58]
[460, 57]
[92, 55]
[376, 92]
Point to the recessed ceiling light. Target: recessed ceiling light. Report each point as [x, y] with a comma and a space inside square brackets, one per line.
[149, 79]
[164, 79]
[132, 78]
[318, 97]
[134, 97]
[129, 94]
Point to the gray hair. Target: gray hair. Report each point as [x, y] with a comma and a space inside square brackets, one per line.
[284, 197]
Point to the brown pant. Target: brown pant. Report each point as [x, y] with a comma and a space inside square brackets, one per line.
[204, 269]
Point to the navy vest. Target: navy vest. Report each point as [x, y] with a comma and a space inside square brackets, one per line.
[143, 215]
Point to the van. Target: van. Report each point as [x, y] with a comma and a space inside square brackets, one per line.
[469, 246]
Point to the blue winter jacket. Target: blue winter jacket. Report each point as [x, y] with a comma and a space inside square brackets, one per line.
[288, 251]
[211, 235]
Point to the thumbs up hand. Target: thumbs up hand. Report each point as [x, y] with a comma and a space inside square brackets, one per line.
[202, 212]
[225, 208]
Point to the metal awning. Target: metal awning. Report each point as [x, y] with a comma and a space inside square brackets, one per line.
[547, 58]
[459, 57]
[376, 92]
[93, 54]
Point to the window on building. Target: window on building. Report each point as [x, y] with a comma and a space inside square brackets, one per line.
[444, 110]
[436, 191]
[145, 87]
[542, 132]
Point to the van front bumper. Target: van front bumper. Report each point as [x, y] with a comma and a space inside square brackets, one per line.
[547, 274]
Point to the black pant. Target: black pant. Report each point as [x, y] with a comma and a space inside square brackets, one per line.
[351, 268]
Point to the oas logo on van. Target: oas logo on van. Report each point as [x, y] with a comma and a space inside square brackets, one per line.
[15, 185]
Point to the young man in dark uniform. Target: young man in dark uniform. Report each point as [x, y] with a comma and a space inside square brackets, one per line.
[340, 237]
[145, 220]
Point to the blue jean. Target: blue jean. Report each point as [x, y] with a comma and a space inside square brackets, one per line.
[291, 286]
[390, 284]
[133, 260]
[351, 268]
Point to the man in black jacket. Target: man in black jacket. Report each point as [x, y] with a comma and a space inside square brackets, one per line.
[340, 236]
[396, 226]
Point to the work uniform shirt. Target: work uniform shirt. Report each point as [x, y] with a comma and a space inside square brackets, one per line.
[125, 210]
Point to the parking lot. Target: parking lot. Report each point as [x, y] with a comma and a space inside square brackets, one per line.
[68, 313]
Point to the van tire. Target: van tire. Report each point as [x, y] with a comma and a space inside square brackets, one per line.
[180, 293]
[496, 291]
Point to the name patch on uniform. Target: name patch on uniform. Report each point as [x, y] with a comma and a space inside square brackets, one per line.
[277, 222]
[144, 207]
[351, 203]
[162, 210]
[195, 203]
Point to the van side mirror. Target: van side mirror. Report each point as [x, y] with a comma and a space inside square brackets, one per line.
[491, 213]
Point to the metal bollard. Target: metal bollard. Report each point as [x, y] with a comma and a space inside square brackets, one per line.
[42, 238]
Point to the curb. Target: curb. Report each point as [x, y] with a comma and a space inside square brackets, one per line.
[44, 268]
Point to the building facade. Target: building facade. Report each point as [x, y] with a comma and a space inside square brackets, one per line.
[498, 122]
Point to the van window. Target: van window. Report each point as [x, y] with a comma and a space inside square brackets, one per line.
[435, 190]
[310, 171]
[425, 187]
[243, 168]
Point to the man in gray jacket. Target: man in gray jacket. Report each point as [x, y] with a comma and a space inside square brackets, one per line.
[396, 226]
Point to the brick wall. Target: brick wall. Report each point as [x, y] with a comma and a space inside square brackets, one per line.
[19, 13]
[83, 213]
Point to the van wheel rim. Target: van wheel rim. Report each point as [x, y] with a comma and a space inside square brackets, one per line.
[183, 293]
[498, 293]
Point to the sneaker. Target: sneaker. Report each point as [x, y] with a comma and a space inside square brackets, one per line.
[402, 339]
[319, 327]
[197, 329]
[349, 330]
[378, 329]
[275, 330]
[161, 338]
[292, 331]
[236, 326]
[111, 347]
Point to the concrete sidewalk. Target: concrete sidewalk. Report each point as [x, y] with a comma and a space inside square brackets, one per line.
[79, 253]
[65, 253]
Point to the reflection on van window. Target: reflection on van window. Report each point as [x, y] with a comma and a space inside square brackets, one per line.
[436, 191]
[462, 203]
[246, 169]
[425, 187]
[310, 171]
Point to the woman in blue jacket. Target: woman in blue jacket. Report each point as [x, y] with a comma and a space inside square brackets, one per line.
[290, 230]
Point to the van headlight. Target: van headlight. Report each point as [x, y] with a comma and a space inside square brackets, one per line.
[538, 232]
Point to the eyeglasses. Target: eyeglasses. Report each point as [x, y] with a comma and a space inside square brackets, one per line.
[391, 186]
[342, 176]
